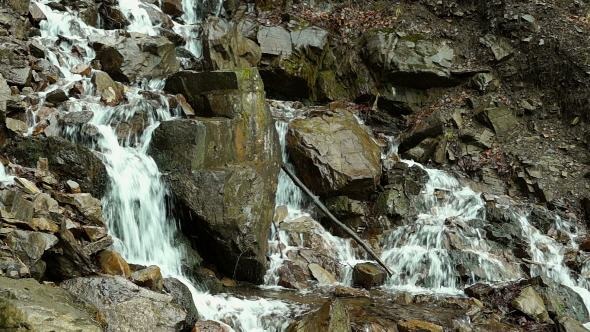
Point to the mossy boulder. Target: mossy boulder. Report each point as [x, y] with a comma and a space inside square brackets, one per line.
[222, 167]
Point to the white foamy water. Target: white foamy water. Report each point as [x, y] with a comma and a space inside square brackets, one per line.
[423, 258]
[135, 204]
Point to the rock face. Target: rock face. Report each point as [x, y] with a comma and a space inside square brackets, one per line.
[226, 48]
[127, 307]
[41, 307]
[402, 186]
[223, 168]
[334, 155]
[331, 317]
[66, 160]
[411, 62]
[129, 58]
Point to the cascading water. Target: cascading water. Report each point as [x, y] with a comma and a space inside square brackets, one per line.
[292, 198]
[135, 205]
[423, 260]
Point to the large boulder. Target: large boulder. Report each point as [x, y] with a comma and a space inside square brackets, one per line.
[126, 306]
[68, 161]
[402, 186]
[334, 155]
[138, 56]
[410, 61]
[368, 275]
[223, 168]
[27, 305]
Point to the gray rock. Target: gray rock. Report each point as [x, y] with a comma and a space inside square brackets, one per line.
[568, 324]
[76, 118]
[530, 303]
[150, 277]
[313, 38]
[226, 48]
[127, 307]
[274, 41]
[67, 161]
[42, 308]
[16, 126]
[321, 275]
[334, 155]
[183, 297]
[292, 275]
[419, 63]
[402, 187]
[500, 46]
[501, 119]
[135, 57]
[4, 96]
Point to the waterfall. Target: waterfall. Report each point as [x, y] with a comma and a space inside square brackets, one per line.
[135, 204]
[293, 199]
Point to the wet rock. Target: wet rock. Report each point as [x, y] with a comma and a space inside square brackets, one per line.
[210, 326]
[111, 17]
[334, 155]
[126, 306]
[172, 7]
[42, 307]
[138, 56]
[292, 275]
[85, 203]
[274, 40]
[56, 96]
[500, 119]
[73, 186]
[561, 300]
[227, 190]
[419, 63]
[331, 317]
[36, 14]
[4, 96]
[342, 291]
[111, 262]
[402, 187]
[76, 118]
[66, 160]
[226, 48]
[30, 246]
[321, 275]
[105, 86]
[150, 277]
[414, 325]
[82, 69]
[368, 275]
[16, 206]
[568, 324]
[530, 303]
[183, 297]
[27, 186]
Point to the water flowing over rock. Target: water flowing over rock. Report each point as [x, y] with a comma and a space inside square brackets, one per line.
[223, 168]
[334, 155]
[126, 306]
[42, 308]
